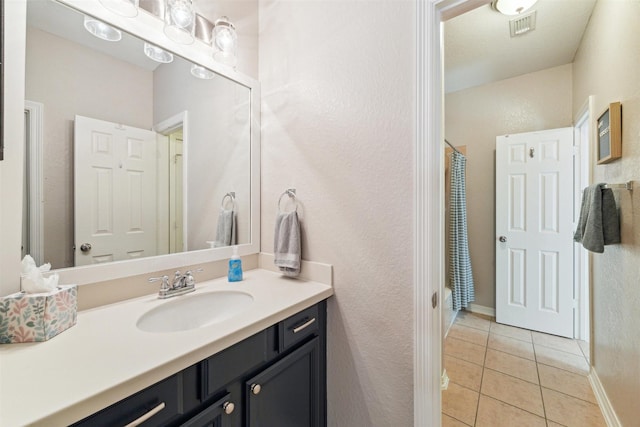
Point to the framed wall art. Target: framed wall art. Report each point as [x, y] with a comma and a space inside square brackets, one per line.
[609, 134]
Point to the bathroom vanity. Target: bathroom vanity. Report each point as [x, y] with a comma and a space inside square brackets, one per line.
[246, 370]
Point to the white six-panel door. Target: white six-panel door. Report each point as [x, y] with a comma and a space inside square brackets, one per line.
[534, 231]
[114, 191]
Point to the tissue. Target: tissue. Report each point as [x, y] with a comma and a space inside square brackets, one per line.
[33, 281]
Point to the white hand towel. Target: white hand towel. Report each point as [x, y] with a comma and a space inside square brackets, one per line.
[286, 243]
[226, 230]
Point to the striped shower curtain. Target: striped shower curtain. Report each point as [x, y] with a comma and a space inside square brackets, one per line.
[460, 276]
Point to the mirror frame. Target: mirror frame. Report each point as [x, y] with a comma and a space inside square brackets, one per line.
[149, 28]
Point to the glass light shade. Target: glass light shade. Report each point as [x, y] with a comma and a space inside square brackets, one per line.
[201, 72]
[128, 8]
[513, 7]
[179, 21]
[102, 30]
[225, 41]
[157, 54]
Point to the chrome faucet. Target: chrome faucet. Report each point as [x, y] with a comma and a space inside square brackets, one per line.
[182, 284]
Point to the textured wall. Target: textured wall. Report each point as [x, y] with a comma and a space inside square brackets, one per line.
[71, 79]
[474, 117]
[338, 90]
[606, 66]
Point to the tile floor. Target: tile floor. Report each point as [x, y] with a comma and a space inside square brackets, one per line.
[501, 376]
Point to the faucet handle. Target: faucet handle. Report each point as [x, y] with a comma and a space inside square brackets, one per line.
[190, 281]
[165, 281]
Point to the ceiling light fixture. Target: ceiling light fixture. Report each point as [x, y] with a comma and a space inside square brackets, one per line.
[102, 30]
[157, 54]
[512, 7]
[225, 42]
[201, 72]
[128, 8]
[179, 18]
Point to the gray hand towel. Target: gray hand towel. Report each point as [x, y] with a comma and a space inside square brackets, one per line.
[599, 223]
[286, 243]
[226, 229]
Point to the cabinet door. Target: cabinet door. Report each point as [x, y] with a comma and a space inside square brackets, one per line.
[216, 415]
[287, 394]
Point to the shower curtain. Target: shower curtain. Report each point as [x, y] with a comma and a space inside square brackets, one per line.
[460, 275]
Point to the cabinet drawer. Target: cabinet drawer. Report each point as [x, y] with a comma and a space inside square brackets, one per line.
[160, 402]
[229, 364]
[298, 327]
[218, 414]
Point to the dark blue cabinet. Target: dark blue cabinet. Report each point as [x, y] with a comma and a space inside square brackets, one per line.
[276, 377]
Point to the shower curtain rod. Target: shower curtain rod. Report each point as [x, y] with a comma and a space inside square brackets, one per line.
[454, 148]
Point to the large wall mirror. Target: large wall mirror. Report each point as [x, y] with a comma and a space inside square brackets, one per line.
[129, 158]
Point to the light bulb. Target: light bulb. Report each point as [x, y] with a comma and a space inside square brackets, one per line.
[182, 14]
[179, 21]
[102, 30]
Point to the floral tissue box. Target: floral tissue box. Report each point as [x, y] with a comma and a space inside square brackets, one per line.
[37, 317]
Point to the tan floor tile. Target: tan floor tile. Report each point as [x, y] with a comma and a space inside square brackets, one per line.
[464, 373]
[552, 424]
[512, 346]
[473, 320]
[584, 346]
[464, 350]
[447, 421]
[575, 385]
[557, 343]
[513, 391]
[570, 411]
[512, 365]
[511, 331]
[472, 335]
[561, 359]
[460, 403]
[493, 413]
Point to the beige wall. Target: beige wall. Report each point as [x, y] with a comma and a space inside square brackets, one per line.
[474, 117]
[71, 79]
[607, 66]
[338, 90]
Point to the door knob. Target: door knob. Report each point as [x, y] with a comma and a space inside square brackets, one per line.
[502, 239]
[85, 247]
[228, 407]
[255, 388]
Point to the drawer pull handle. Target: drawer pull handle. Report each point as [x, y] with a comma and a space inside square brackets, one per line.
[146, 416]
[255, 388]
[304, 325]
[228, 407]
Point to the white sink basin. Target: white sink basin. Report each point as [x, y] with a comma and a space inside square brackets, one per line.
[194, 311]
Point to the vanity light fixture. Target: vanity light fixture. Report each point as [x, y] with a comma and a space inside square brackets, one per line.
[201, 72]
[512, 7]
[179, 21]
[225, 41]
[102, 30]
[127, 8]
[157, 54]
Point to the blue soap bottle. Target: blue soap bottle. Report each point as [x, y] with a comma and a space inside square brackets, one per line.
[235, 267]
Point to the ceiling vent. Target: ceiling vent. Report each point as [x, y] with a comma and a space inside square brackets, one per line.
[523, 24]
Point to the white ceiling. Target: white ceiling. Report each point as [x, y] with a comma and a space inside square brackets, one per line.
[479, 48]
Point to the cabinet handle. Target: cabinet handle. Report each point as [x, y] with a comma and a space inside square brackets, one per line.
[146, 416]
[255, 388]
[304, 325]
[228, 407]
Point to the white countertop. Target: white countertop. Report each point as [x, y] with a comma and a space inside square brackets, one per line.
[105, 357]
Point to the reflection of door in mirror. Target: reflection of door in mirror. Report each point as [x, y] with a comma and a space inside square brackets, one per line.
[114, 191]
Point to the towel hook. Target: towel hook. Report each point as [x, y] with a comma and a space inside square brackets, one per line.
[291, 192]
[231, 195]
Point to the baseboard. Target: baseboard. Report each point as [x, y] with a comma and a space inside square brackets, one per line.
[481, 309]
[608, 413]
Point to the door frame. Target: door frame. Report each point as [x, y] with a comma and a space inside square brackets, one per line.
[429, 204]
[34, 147]
[582, 259]
[165, 127]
